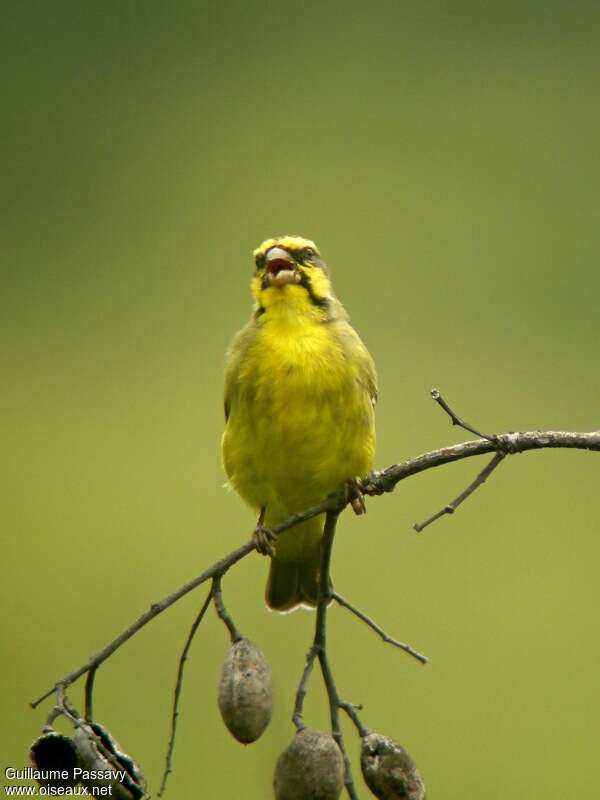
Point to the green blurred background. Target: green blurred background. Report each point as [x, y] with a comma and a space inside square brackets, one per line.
[445, 158]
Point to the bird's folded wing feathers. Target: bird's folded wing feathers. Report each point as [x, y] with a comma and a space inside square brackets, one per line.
[235, 356]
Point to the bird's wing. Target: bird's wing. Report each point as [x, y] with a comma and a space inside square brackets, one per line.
[367, 373]
[235, 358]
[359, 355]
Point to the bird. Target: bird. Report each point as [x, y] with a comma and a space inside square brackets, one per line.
[300, 393]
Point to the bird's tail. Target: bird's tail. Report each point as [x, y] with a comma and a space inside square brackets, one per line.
[294, 574]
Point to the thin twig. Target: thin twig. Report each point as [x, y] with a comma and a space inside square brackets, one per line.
[375, 484]
[222, 612]
[456, 420]
[320, 645]
[302, 688]
[319, 650]
[452, 506]
[319, 639]
[367, 620]
[55, 712]
[89, 691]
[334, 705]
[62, 702]
[177, 692]
[351, 710]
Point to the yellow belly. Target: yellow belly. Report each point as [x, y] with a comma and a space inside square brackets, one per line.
[302, 422]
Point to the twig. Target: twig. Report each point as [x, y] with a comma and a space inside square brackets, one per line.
[89, 691]
[351, 710]
[320, 645]
[55, 712]
[452, 506]
[334, 705]
[358, 613]
[222, 612]
[319, 650]
[178, 684]
[64, 706]
[456, 420]
[375, 484]
[302, 688]
[319, 640]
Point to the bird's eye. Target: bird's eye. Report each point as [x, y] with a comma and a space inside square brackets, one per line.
[308, 252]
[260, 260]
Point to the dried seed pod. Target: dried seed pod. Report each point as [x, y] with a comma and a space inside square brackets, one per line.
[388, 770]
[56, 754]
[310, 768]
[245, 691]
[103, 764]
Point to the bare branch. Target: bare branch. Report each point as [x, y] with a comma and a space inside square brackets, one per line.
[519, 442]
[334, 705]
[62, 701]
[302, 689]
[368, 621]
[222, 612]
[452, 506]
[375, 484]
[320, 646]
[178, 684]
[89, 692]
[319, 640]
[436, 395]
[351, 710]
[319, 650]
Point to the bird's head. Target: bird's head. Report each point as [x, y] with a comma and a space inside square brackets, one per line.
[290, 271]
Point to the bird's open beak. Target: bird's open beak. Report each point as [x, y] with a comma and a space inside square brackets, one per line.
[281, 267]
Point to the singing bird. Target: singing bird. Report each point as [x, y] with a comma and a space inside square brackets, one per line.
[300, 391]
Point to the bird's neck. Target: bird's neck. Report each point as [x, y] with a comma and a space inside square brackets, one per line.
[291, 306]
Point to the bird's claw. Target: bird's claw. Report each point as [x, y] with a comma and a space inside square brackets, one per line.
[355, 496]
[263, 539]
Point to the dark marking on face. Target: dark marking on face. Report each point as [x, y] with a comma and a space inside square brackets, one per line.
[322, 302]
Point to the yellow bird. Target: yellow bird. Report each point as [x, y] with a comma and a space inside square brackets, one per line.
[300, 391]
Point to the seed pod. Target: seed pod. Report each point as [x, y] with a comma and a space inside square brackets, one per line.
[388, 770]
[310, 768]
[53, 751]
[245, 691]
[105, 766]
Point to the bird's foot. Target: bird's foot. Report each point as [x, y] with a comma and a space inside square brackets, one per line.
[263, 539]
[355, 496]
